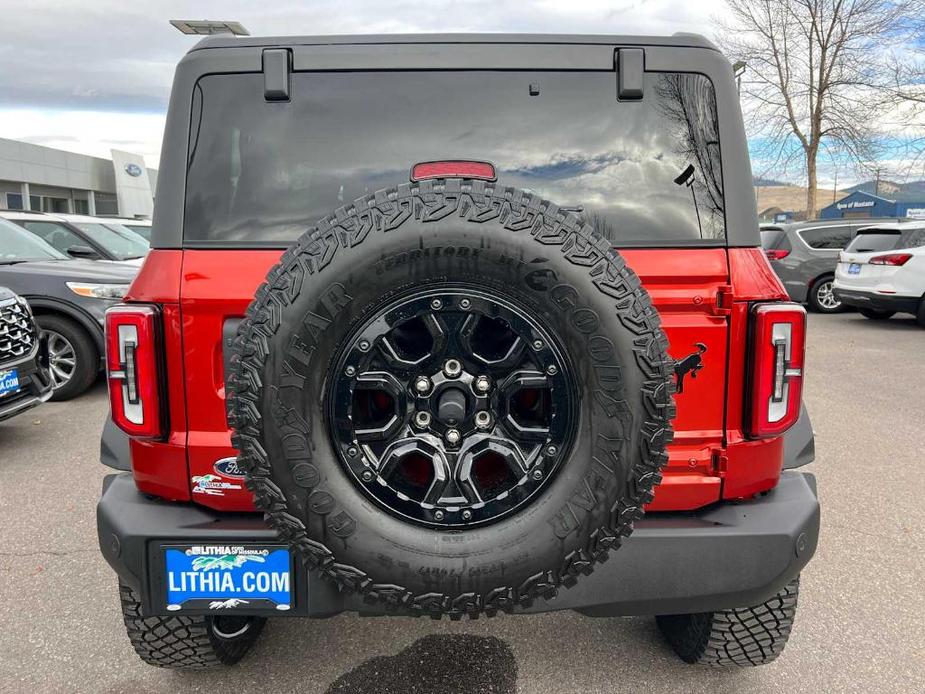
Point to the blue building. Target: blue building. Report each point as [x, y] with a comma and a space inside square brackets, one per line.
[862, 204]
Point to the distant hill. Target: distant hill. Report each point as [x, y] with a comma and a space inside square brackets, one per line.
[793, 198]
[767, 182]
[913, 191]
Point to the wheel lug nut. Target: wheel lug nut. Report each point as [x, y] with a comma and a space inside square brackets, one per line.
[537, 344]
[482, 384]
[551, 450]
[467, 515]
[352, 451]
[350, 370]
[482, 419]
[465, 303]
[438, 515]
[452, 368]
[452, 436]
[436, 304]
[422, 384]
[364, 345]
[537, 474]
[367, 476]
[422, 419]
[552, 369]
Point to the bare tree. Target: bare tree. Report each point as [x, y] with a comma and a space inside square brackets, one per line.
[817, 71]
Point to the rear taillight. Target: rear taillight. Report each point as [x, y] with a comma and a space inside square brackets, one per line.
[132, 368]
[776, 253]
[775, 392]
[890, 259]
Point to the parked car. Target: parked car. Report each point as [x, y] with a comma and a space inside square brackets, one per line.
[804, 256]
[142, 227]
[80, 236]
[24, 377]
[447, 393]
[68, 298]
[882, 272]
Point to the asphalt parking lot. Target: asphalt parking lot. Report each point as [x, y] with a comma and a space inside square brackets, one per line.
[860, 626]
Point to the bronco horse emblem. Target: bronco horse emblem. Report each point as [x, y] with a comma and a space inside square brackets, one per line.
[690, 364]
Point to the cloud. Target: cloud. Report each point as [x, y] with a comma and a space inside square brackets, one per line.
[87, 132]
[118, 57]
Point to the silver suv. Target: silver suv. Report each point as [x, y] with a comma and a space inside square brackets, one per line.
[804, 256]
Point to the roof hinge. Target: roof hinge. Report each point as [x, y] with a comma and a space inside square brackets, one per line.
[723, 305]
[277, 67]
[630, 64]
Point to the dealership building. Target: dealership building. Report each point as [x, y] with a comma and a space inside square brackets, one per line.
[861, 204]
[33, 177]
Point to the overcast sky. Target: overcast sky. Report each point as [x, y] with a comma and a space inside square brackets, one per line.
[91, 75]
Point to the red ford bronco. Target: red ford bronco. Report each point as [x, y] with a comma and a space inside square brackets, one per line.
[456, 325]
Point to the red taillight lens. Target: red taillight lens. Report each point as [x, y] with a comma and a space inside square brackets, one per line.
[776, 253]
[776, 378]
[132, 369]
[890, 259]
[453, 169]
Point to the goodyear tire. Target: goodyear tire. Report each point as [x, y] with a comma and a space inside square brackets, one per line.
[495, 242]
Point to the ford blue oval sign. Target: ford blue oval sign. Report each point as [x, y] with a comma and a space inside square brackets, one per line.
[229, 468]
[133, 170]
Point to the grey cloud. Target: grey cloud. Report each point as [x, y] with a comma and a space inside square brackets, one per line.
[112, 55]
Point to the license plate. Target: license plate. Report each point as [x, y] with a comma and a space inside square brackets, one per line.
[221, 578]
[854, 269]
[9, 381]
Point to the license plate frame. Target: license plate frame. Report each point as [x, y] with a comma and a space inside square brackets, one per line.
[854, 269]
[215, 578]
[9, 381]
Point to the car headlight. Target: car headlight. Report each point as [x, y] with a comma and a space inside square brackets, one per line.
[98, 291]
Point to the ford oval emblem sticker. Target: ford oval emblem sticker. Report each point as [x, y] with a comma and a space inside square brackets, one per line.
[228, 467]
[133, 170]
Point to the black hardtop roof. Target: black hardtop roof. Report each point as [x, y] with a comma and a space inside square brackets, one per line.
[680, 40]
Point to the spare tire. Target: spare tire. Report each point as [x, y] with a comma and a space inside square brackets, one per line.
[452, 397]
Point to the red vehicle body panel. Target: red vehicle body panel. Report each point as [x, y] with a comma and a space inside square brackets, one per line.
[702, 296]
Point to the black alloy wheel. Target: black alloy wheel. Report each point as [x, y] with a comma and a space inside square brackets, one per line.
[451, 407]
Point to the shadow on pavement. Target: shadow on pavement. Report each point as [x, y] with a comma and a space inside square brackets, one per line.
[899, 322]
[458, 663]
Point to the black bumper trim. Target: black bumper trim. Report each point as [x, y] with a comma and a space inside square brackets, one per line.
[728, 555]
[35, 384]
[878, 302]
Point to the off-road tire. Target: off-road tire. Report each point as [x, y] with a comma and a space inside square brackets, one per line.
[87, 364]
[390, 242]
[876, 315]
[740, 637]
[184, 642]
[814, 300]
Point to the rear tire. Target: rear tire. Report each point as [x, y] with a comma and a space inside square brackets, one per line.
[920, 316]
[822, 299]
[187, 642]
[876, 315]
[77, 357]
[740, 637]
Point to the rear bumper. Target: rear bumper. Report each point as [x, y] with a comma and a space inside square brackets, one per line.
[728, 555]
[878, 302]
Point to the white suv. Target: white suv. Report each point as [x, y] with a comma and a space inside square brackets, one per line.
[882, 271]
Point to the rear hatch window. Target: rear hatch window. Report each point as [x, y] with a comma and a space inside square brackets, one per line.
[643, 173]
[877, 240]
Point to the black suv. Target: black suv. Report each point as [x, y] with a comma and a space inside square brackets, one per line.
[68, 297]
[24, 378]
